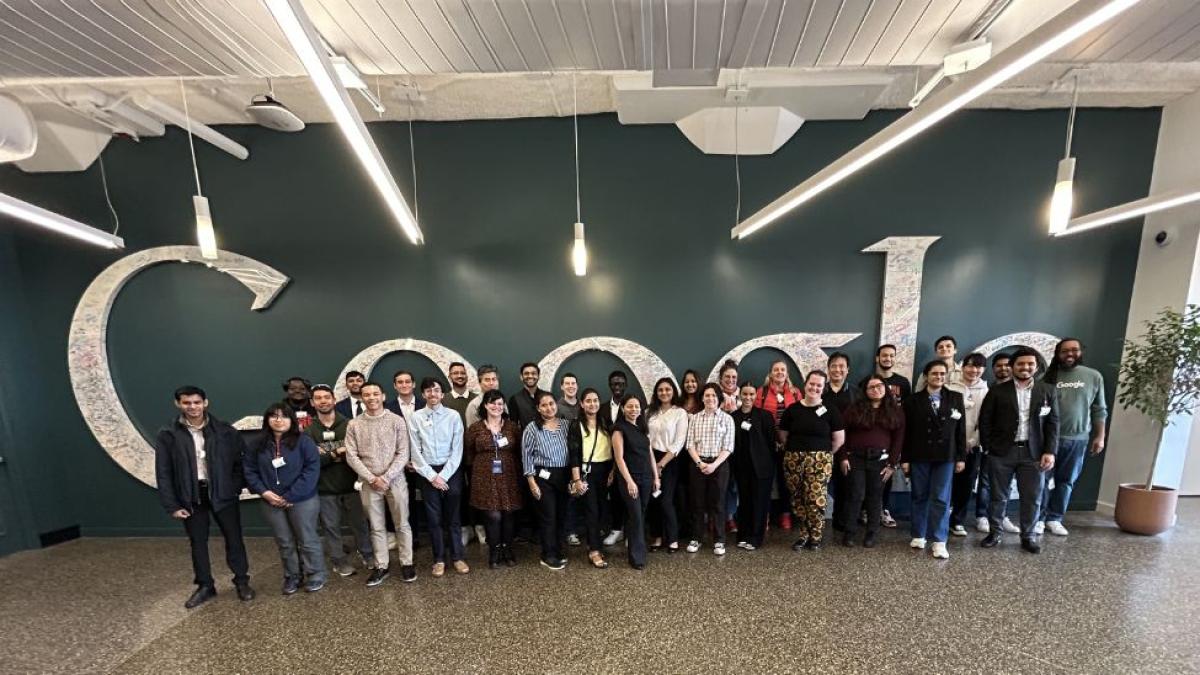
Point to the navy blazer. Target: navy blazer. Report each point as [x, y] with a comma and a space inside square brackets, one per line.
[934, 436]
[393, 404]
[345, 409]
[998, 420]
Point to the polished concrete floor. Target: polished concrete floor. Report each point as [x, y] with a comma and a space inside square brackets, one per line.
[1098, 601]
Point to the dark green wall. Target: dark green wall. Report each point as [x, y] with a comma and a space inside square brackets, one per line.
[493, 282]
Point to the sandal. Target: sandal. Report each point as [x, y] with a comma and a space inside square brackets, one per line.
[598, 560]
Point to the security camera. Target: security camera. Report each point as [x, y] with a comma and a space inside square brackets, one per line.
[1163, 238]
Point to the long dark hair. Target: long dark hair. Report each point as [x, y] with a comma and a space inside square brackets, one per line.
[289, 437]
[691, 402]
[602, 421]
[655, 406]
[537, 402]
[487, 398]
[1051, 376]
[863, 415]
[640, 422]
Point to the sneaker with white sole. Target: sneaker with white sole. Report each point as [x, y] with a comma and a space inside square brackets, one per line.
[693, 546]
[917, 543]
[958, 531]
[481, 534]
[939, 550]
[718, 549]
[1008, 526]
[1039, 527]
[983, 525]
[614, 537]
[886, 519]
[1056, 528]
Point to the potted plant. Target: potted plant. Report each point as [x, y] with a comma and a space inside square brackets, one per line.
[1159, 377]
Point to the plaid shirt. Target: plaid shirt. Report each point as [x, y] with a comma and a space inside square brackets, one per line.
[710, 433]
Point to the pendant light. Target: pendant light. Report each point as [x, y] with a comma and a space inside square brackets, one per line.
[1063, 199]
[206, 236]
[579, 256]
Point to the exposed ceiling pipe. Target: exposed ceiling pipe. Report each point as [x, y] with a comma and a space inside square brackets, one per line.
[175, 116]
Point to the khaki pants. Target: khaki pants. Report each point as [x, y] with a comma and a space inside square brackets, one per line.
[396, 498]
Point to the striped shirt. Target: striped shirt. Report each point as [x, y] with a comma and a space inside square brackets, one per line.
[544, 447]
[710, 433]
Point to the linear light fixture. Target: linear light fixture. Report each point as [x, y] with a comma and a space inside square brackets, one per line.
[1134, 209]
[306, 42]
[50, 220]
[1041, 42]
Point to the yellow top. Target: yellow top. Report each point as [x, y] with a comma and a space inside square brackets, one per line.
[603, 447]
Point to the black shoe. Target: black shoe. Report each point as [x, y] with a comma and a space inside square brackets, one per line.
[510, 558]
[813, 545]
[799, 544]
[991, 540]
[554, 563]
[202, 595]
[493, 557]
[245, 593]
[377, 576]
[869, 540]
[290, 585]
[408, 574]
[1031, 545]
[637, 566]
[848, 539]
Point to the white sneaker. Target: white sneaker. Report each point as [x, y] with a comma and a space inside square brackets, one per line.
[983, 525]
[466, 535]
[1007, 526]
[693, 546]
[613, 537]
[917, 543]
[939, 550]
[886, 519]
[718, 549]
[958, 531]
[1039, 528]
[481, 534]
[1057, 528]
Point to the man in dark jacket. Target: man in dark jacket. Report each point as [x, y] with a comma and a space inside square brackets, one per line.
[198, 466]
[1018, 426]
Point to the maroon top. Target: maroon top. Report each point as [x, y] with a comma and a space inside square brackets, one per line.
[861, 438]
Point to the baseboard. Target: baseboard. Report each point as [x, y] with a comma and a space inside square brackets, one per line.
[1105, 509]
[162, 532]
[59, 536]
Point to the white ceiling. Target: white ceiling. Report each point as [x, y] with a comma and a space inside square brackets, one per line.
[471, 59]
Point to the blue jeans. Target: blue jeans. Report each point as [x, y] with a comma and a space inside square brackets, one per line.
[1068, 464]
[931, 499]
[296, 536]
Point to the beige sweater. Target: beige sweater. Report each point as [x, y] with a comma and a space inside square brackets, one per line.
[378, 446]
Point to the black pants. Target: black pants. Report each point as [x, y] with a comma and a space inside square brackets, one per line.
[499, 526]
[708, 499]
[961, 487]
[886, 499]
[1029, 487]
[839, 489]
[552, 510]
[229, 520]
[635, 515]
[663, 518]
[683, 494]
[616, 505]
[754, 503]
[595, 504]
[442, 510]
[866, 492]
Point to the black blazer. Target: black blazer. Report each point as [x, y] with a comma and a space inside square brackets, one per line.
[998, 420]
[393, 404]
[576, 453]
[754, 450]
[345, 409]
[934, 436]
[175, 465]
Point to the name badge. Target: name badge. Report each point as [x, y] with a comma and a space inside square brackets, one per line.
[300, 414]
[544, 474]
[358, 486]
[497, 467]
[821, 411]
[955, 415]
[1044, 411]
[501, 441]
[883, 456]
[328, 435]
[277, 462]
[745, 425]
[779, 398]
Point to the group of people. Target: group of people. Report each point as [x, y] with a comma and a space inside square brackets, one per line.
[695, 462]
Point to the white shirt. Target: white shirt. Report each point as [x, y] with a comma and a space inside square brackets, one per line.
[408, 408]
[356, 407]
[973, 395]
[198, 441]
[668, 430]
[1023, 395]
[466, 394]
[614, 410]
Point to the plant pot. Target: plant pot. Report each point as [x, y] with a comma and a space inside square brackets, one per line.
[1142, 511]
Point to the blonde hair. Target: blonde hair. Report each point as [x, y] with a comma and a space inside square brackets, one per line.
[787, 378]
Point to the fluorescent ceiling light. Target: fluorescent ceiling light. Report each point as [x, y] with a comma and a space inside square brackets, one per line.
[1043, 41]
[1061, 202]
[1134, 209]
[50, 220]
[307, 43]
[579, 255]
